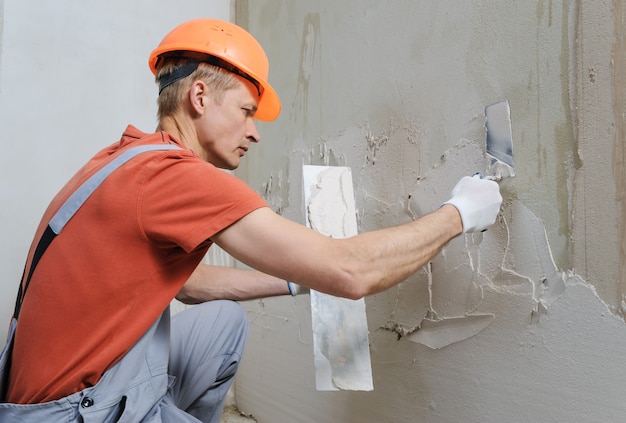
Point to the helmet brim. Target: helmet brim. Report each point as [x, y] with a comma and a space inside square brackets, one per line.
[269, 105]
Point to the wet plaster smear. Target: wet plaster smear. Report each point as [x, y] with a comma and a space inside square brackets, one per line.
[504, 326]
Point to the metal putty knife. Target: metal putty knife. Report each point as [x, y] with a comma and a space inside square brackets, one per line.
[499, 140]
[340, 332]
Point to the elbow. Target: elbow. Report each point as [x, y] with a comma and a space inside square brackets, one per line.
[355, 294]
[351, 279]
[352, 288]
[185, 298]
[345, 273]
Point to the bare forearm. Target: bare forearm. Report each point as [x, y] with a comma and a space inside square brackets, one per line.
[374, 261]
[353, 267]
[402, 250]
[224, 283]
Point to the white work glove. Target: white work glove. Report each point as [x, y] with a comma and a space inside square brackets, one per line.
[478, 202]
[295, 289]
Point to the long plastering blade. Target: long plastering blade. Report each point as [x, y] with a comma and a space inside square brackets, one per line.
[499, 140]
[340, 333]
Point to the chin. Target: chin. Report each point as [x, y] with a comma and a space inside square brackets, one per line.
[226, 165]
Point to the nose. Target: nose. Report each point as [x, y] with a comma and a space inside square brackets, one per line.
[252, 134]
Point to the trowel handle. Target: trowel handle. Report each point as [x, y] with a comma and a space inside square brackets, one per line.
[479, 175]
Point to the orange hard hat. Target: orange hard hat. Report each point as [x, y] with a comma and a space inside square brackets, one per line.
[226, 45]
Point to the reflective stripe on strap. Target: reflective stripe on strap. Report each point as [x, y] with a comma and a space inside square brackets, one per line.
[76, 200]
[71, 206]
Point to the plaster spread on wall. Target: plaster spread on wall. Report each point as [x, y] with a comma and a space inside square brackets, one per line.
[513, 253]
[440, 333]
[373, 145]
[511, 256]
[273, 192]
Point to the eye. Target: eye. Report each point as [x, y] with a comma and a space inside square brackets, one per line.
[249, 111]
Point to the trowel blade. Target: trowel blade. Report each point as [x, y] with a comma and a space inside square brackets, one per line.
[340, 332]
[499, 139]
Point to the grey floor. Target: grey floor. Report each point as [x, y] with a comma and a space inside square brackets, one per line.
[231, 413]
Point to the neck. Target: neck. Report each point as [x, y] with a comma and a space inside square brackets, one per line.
[182, 130]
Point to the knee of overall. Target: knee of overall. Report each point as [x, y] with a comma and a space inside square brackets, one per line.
[235, 316]
[229, 316]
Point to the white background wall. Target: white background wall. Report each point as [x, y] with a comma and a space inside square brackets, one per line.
[73, 74]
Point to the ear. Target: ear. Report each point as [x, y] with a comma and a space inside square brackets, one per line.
[198, 96]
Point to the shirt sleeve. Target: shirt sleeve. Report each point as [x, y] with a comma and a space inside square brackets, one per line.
[185, 201]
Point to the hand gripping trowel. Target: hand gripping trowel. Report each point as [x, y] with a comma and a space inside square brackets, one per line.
[437, 332]
[340, 333]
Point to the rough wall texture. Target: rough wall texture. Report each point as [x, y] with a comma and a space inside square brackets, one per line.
[522, 323]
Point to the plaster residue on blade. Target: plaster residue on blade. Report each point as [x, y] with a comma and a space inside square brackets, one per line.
[341, 344]
[340, 332]
[331, 209]
[499, 139]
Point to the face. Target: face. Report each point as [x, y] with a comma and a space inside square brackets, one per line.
[226, 129]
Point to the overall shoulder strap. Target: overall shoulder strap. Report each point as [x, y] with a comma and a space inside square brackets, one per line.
[73, 203]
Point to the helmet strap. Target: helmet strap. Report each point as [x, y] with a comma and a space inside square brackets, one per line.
[179, 73]
[186, 69]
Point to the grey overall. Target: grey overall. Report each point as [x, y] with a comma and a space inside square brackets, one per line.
[179, 371]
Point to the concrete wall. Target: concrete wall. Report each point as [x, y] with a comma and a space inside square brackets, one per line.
[73, 74]
[522, 323]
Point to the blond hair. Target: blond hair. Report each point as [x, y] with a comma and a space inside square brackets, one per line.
[172, 96]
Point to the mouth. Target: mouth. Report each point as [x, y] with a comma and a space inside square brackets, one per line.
[242, 150]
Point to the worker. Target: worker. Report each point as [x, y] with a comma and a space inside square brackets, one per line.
[91, 338]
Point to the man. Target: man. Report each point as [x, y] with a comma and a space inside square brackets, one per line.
[91, 337]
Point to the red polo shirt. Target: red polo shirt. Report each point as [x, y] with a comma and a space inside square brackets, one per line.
[118, 263]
